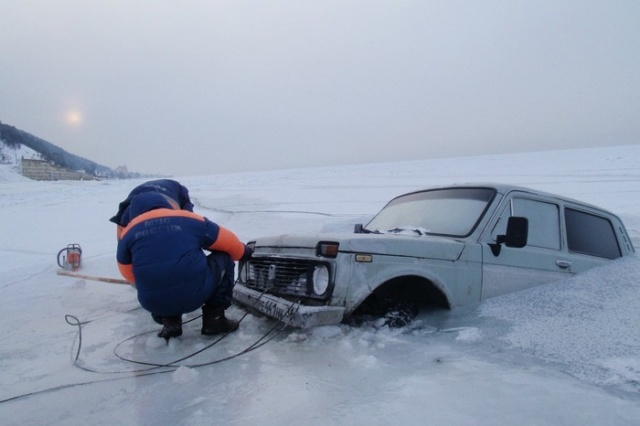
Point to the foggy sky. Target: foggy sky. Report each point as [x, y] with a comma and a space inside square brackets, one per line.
[208, 86]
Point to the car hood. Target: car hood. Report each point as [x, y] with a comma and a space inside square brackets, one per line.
[424, 246]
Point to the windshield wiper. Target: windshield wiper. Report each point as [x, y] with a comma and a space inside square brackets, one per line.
[369, 231]
[418, 231]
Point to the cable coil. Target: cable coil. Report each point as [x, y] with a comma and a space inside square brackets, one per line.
[154, 368]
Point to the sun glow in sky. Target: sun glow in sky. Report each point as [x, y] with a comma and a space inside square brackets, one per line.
[73, 117]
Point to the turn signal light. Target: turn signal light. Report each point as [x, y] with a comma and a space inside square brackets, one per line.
[327, 249]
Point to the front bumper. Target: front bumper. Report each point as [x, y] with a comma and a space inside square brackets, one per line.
[291, 313]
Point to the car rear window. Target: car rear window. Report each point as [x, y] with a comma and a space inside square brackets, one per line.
[590, 234]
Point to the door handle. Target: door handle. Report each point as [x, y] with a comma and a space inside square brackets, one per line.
[564, 264]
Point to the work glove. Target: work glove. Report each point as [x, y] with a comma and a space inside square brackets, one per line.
[247, 253]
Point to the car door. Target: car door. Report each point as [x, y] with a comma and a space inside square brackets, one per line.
[540, 261]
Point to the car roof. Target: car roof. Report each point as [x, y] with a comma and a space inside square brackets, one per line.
[504, 189]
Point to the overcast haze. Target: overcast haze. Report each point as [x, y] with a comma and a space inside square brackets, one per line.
[200, 87]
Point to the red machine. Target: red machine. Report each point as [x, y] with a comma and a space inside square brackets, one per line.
[70, 257]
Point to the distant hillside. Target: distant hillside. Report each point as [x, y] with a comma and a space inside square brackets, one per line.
[15, 138]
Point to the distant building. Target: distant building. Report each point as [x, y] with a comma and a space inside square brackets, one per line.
[43, 170]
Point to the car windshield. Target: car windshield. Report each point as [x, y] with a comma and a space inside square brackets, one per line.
[451, 211]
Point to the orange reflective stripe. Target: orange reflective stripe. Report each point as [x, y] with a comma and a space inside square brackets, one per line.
[158, 213]
[127, 272]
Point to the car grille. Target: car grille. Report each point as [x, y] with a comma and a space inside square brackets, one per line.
[284, 277]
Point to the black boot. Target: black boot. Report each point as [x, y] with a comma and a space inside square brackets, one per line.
[214, 322]
[172, 327]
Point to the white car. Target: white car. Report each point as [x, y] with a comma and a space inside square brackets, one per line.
[449, 246]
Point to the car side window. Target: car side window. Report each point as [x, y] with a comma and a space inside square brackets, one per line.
[544, 222]
[590, 234]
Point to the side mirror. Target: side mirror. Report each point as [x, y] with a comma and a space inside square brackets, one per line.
[517, 232]
[516, 236]
[358, 228]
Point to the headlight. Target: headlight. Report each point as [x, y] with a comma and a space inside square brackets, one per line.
[320, 280]
[245, 272]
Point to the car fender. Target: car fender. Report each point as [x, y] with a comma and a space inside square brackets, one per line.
[377, 277]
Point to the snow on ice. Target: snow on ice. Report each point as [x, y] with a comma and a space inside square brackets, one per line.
[77, 351]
